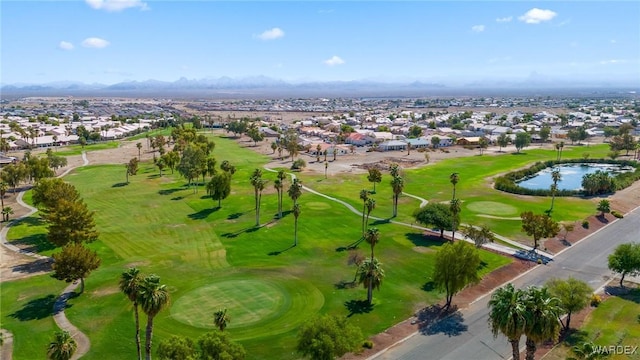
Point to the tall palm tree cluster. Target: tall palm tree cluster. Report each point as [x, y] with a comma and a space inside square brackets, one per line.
[532, 312]
[147, 293]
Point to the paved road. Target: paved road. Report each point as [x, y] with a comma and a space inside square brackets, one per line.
[587, 261]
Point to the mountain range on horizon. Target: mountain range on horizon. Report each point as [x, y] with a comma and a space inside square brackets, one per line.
[263, 86]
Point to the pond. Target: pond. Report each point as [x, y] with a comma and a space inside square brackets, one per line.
[571, 175]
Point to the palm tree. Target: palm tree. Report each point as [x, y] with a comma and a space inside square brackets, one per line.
[397, 185]
[129, 285]
[3, 191]
[455, 214]
[6, 211]
[364, 196]
[542, 318]
[370, 275]
[139, 146]
[559, 147]
[62, 347]
[258, 185]
[454, 178]
[296, 213]
[280, 188]
[370, 205]
[556, 177]
[221, 319]
[153, 297]
[507, 316]
[372, 237]
[295, 190]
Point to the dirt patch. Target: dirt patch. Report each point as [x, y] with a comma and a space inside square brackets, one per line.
[14, 266]
[105, 292]
[422, 249]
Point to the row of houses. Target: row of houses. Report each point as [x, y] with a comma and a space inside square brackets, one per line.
[45, 135]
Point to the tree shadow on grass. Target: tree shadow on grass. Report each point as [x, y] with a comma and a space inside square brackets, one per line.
[168, 191]
[177, 198]
[436, 319]
[428, 286]
[380, 222]
[627, 293]
[120, 184]
[425, 240]
[276, 253]
[284, 213]
[235, 215]
[343, 284]
[358, 307]
[573, 337]
[351, 246]
[203, 214]
[33, 243]
[36, 309]
[237, 233]
[30, 221]
[153, 176]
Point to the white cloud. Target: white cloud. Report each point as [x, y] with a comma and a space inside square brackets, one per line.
[504, 19]
[95, 43]
[116, 5]
[477, 28]
[334, 60]
[536, 16]
[65, 45]
[271, 34]
[612, 41]
[612, 61]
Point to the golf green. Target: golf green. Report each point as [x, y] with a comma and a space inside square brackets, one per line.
[492, 208]
[260, 300]
[316, 205]
[250, 300]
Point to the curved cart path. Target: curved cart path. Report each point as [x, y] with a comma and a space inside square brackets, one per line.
[61, 302]
[493, 246]
[6, 350]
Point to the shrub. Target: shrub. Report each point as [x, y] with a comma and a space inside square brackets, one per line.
[595, 300]
[368, 344]
[585, 224]
[298, 164]
[617, 214]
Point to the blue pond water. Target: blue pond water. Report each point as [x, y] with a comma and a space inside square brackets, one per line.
[571, 175]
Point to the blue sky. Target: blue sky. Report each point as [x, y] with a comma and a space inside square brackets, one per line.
[109, 41]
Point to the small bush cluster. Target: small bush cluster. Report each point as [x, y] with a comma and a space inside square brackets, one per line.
[617, 214]
[595, 300]
[367, 344]
[298, 164]
[585, 224]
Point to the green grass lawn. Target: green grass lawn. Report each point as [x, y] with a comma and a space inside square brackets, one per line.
[615, 322]
[212, 258]
[481, 203]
